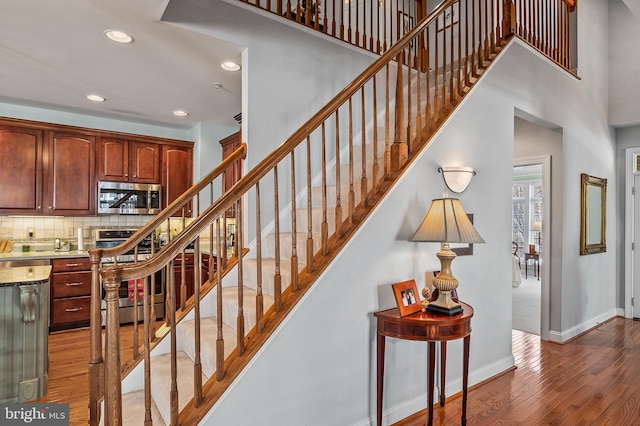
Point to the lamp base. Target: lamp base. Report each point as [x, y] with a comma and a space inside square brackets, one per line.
[454, 310]
[444, 304]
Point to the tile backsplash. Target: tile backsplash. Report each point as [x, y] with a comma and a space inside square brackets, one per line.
[50, 227]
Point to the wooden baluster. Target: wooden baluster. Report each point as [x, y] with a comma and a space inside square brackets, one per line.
[385, 19]
[197, 362]
[352, 194]
[310, 251]
[324, 226]
[443, 95]
[152, 292]
[452, 93]
[278, 11]
[112, 381]
[338, 210]
[460, 63]
[487, 46]
[294, 236]
[492, 36]
[399, 149]
[371, 46]
[428, 108]
[474, 50]
[556, 29]
[277, 278]
[509, 26]
[259, 295]
[96, 362]
[357, 41]
[376, 167]
[147, 302]
[333, 18]
[173, 396]
[136, 320]
[363, 160]
[239, 244]
[183, 281]
[349, 27]
[467, 51]
[220, 372]
[418, 124]
[409, 128]
[436, 83]
[387, 125]
[341, 22]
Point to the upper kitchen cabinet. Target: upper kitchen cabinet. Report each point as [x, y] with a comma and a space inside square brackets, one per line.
[177, 175]
[69, 174]
[128, 161]
[21, 172]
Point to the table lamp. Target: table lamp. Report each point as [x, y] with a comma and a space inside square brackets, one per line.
[446, 222]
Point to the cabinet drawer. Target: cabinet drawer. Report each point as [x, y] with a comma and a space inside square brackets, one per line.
[68, 284]
[68, 265]
[73, 309]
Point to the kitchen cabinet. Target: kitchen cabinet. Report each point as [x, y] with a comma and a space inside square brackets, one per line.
[123, 160]
[69, 172]
[177, 175]
[21, 172]
[46, 172]
[70, 293]
[234, 171]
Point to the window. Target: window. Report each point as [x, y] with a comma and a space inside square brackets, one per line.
[526, 208]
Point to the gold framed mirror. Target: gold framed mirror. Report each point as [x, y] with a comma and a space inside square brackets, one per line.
[593, 216]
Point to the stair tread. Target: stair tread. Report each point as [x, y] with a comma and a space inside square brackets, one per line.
[161, 382]
[208, 338]
[133, 410]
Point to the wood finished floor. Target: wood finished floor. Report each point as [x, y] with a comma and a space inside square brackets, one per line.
[593, 380]
[69, 367]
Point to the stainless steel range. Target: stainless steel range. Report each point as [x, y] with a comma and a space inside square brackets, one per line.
[106, 238]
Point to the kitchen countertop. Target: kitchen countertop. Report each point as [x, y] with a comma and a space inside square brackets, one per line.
[25, 275]
[33, 255]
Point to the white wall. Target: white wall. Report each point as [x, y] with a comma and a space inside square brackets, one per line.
[624, 65]
[319, 368]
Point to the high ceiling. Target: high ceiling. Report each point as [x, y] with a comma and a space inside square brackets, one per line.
[54, 53]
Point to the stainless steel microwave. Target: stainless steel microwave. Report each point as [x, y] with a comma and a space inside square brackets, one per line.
[129, 198]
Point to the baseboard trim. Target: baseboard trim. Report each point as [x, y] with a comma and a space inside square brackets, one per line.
[580, 329]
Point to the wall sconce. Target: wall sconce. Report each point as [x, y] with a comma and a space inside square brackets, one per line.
[457, 179]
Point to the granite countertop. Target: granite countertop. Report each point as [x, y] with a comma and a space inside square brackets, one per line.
[24, 275]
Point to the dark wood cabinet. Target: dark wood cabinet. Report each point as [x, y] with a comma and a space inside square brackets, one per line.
[49, 173]
[70, 293]
[177, 175]
[52, 169]
[128, 161]
[234, 171]
[69, 165]
[21, 172]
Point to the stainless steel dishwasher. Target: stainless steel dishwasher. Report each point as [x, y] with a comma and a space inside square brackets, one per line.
[24, 325]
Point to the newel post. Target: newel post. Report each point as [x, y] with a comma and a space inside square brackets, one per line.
[112, 383]
[399, 149]
[96, 363]
[509, 19]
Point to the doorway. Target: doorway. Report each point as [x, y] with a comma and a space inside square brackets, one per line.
[530, 300]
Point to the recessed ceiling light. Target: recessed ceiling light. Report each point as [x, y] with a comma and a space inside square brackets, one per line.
[95, 98]
[118, 36]
[180, 113]
[230, 66]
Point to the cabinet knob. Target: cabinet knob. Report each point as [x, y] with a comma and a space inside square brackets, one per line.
[126, 175]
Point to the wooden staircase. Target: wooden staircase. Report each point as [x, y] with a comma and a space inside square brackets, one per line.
[295, 211]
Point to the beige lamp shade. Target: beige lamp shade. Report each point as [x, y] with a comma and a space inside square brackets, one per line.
[537, 226]
[447, 222]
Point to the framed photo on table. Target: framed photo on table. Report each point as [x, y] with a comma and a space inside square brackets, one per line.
[407, 297]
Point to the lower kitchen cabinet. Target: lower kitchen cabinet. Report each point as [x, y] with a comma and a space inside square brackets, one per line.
[70, 293]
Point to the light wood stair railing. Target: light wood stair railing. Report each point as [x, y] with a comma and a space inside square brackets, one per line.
[298, 207]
